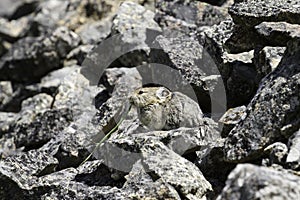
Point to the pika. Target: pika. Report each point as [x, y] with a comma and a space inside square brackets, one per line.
[161, 109]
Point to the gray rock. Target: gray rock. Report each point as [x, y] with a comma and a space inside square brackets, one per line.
[278, 33]
[31, 58]
[273, 113]
[14, 9]
[267, 59]
[72, 14]
[238, 72]
[40, 130]
[6, 121]
[140, 185]
[184, 176]
[136, 28]
[253, 12]
[231, 118]
[277, 153]
[182, 65]
[94, 32]
[248, 181]
[293, 157]
[6, 91]
[15, 29]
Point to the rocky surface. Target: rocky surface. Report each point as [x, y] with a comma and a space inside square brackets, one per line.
[68, 68]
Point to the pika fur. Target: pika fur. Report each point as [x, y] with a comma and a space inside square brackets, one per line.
[161, 109]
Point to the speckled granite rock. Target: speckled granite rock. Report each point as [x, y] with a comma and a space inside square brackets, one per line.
[39, 55]
[267, 59]
[185, 177]
[253, 12]
[273, 114]
[248, 181]
[15, 29]
[17, 8]
[293, 157]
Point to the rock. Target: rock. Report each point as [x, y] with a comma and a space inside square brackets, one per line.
[215, 2]
[6, 91]
[278, 33]
[6, 121]
[248, 181]
[251, 12]
[264, 27]
[136, 28]
[184, 176]
[182, 65]
[293, 157]
[267, 59]
[237, 70]
[79, 54]
[94, 32]
[277, 153]
[273, 113]
[17, 8]
[72, 14]
[30, 58]
[140, 185]
[33, 133]
[15, 29]
[231, 118]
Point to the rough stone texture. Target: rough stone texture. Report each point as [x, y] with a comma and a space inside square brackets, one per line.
[15, 29]
[270, 24]
[248, 181]
[278, 33]
[72, 14]
[136, 28]
[31, 58]
[293, 157]
[146, 187]
[277, 153]
[267, 59]
[195, 73]
[238, 72]
[14, 9]
[6, 92]
[253, 12]
[184, 176]
[231, 118]
[272, 115]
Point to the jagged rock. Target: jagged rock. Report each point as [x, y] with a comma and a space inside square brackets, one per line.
[267, 59]
[273, 113]
[6, 121]
[140, 185]
[184, 176]
[94, 32]
[31, 58]
[14, 9]
[278, 33]
[277, 153]
[248, 181]
[182, 65]
[80, 53]
[15, 29]
[113, 102]
[264, 25]
[293, 157]
[238, 72]
[136, 28]
[231, 118]
[252, 12]
[6, 91]
[33, 133]
[72, 14]
[215, 2]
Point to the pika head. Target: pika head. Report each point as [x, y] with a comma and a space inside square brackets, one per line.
[150, 95]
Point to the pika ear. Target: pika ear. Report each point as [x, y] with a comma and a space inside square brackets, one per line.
[163, 93]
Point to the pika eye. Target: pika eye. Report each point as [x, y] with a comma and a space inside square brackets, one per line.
[140, 92]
